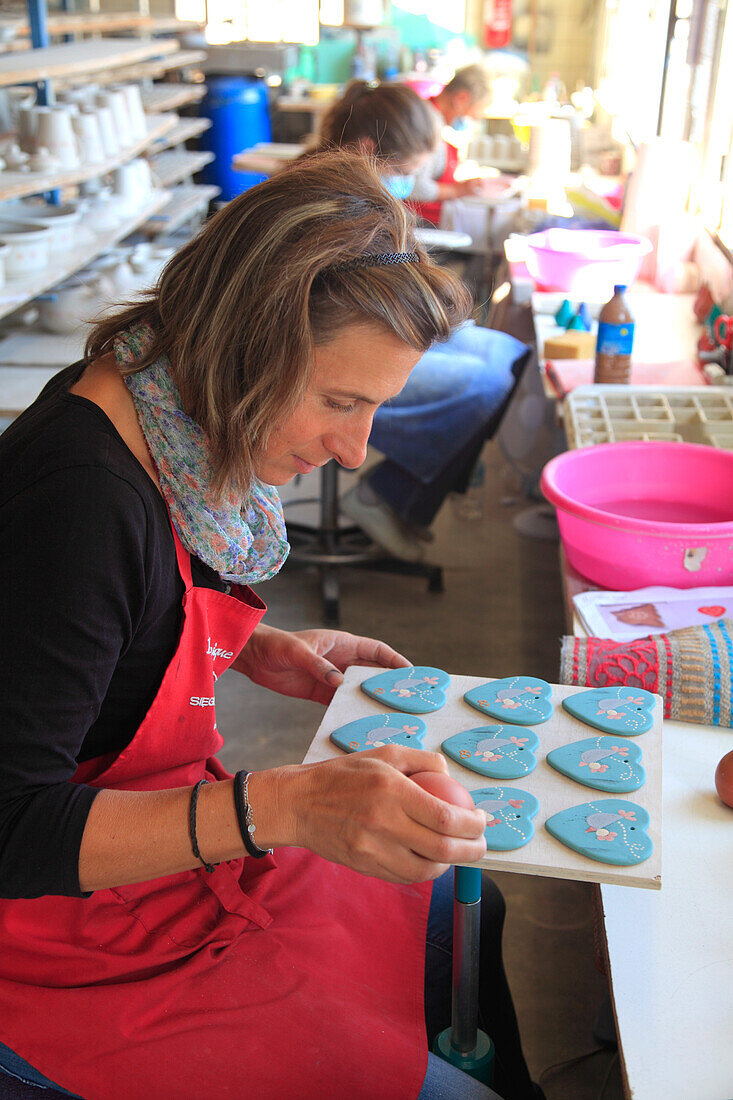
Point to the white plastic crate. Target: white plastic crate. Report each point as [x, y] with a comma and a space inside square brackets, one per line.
[608, 414]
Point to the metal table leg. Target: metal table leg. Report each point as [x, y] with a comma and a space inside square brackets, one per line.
[463, 1044]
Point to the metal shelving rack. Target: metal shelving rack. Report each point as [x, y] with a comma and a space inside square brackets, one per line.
[69, 62]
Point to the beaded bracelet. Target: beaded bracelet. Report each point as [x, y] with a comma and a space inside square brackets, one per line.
[208, 867]
[244, 816]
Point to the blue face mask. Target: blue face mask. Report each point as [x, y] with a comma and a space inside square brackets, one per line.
[461, 123]
[399, 186]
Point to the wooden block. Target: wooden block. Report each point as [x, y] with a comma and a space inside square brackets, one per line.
[573, 344]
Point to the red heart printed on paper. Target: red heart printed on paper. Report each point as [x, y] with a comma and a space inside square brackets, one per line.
[716, 612]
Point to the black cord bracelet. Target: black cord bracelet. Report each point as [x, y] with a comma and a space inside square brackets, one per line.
[244, 817]
[208, 867]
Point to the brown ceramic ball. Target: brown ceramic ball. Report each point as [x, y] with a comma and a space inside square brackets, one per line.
[724, 779]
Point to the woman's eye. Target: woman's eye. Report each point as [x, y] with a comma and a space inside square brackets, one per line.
[339, 407]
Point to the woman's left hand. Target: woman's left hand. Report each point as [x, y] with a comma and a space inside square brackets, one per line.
[309, 664]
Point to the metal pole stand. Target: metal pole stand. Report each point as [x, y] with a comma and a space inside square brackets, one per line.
[463, 1044]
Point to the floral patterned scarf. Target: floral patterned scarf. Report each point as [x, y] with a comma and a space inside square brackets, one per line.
[244, 542]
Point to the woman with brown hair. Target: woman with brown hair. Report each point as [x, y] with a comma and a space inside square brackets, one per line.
[169, 929]
[388, 121]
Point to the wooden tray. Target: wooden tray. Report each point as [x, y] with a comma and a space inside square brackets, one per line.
[543, 855]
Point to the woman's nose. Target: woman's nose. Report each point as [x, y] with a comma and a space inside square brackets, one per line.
[349, 447]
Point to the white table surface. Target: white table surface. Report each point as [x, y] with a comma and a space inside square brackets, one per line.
[671, 952]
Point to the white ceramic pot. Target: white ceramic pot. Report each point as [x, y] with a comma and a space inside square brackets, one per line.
[129, 182]
[135, 112]
[27, 122]
[117, 103]
[28, 247]
[107, 130]
[89, 136]
[82, 96]
[104, 211]
[69, 307]
[63, 221]
[15, 159]
[55, 133]
[43, 161]
[148, 261]
[116, 277]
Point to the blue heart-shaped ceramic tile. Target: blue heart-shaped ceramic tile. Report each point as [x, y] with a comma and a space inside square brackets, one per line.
[609, 830]
[501, 752]
[523, 700]
[605, 763]
[628, 710]
[509, 814]
[379, 729]
[418, 690]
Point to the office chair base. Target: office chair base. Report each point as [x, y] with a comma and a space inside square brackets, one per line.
[332, 549]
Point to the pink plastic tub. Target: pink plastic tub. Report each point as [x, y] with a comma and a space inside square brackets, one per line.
[585, 262]
[640, 513]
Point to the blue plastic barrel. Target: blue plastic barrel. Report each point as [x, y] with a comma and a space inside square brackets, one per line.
[237, 107]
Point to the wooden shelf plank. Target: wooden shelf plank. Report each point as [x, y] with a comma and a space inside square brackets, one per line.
[173, 166]
[59, 23]
[184, 130]
[150, 70]
[16, 292]
[169, 97]
[89, 22]
[78, 59]
[186, 201]
[266, 157]
[13, 185]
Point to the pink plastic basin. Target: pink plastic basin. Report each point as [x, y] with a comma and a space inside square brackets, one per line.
[585, 261]
[640, 513]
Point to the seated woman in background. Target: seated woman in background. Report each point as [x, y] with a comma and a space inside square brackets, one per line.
[388, 121]
[431, 435]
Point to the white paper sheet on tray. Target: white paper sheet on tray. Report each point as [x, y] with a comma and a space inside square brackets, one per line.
[624, 616]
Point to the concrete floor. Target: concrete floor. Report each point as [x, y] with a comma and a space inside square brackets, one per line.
[500, 614]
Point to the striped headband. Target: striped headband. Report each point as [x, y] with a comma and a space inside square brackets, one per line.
[376, 259]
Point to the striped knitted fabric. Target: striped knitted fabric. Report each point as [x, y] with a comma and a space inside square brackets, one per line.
[690, 669]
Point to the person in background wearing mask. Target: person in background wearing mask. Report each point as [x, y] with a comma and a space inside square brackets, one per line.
[465, 97]
[388, 121]
[432, 433]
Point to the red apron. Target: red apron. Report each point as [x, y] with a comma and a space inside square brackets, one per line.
[431, 210]
[269, 979]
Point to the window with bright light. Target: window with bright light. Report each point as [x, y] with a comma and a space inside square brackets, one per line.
[450, 14]
[194, 10]
[696, 95]
[254, 20]
[633, 33]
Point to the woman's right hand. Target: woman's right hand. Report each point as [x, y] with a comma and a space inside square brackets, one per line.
[363, 811]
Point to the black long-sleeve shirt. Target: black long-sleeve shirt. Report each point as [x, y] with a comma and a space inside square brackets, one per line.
[90, 613]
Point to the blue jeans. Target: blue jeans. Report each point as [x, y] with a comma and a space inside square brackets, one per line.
[496, 1011]
[17, 1067]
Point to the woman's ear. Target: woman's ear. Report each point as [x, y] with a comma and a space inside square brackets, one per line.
[461, 102]
[366, 146]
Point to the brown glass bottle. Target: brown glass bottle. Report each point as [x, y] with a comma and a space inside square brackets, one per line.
[615, 340]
